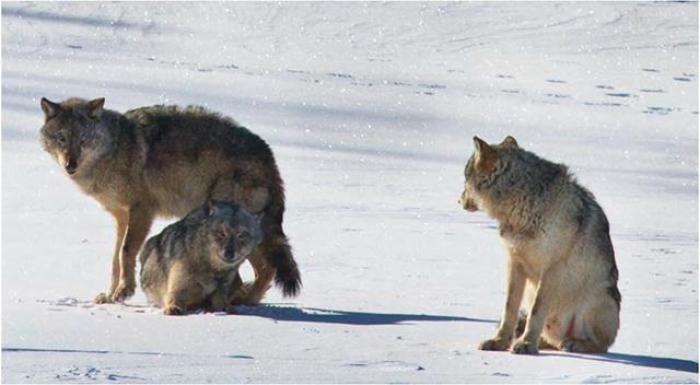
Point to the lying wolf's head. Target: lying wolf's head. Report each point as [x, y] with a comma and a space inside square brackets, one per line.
[481, 169]
[72, 132]
[233, 233]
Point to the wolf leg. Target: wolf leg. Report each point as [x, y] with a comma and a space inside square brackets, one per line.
[183, 293]
[140, 220]
[222, 297]
[122, 219]
[581, 346]
[520, 329]
[251, 293]
[514, 296]
[601, 323]
[546, 291]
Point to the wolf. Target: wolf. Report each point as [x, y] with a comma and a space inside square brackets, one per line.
[560, 255]
[192, 263]
[163, 161]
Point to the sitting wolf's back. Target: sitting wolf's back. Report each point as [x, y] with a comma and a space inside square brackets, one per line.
[176, 240]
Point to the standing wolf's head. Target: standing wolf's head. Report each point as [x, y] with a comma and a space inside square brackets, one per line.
[485, 164]
[73, 133]
[233, 233]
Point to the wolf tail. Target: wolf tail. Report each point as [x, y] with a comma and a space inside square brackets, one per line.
[287, 276]
[279, 253]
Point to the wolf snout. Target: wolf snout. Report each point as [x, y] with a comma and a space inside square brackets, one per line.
[71, 166]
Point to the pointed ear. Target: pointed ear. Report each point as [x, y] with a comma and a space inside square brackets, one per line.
[509, 142]
[95, 107]
[485, 156]
[50, 108]
[479, 144]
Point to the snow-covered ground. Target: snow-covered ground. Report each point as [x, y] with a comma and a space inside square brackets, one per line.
[370, 109]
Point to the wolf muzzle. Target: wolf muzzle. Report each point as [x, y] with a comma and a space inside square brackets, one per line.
[71, 166]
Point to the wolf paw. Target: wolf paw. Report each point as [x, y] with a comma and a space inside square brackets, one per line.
[524, 347]
[580, 346]
[497, 343]
[249, 295]
[173, 310]
[102, 298]
[123, 292]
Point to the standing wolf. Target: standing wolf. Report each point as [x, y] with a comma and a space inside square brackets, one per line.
[164, 161]
[558, 245]
[192, 263]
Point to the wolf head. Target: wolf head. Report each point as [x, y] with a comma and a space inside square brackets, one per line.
[233, 233]
[73, 133]
[483, 166]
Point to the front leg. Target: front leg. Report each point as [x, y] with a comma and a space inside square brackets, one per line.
[226, 290]
[514, 296]
[183, 292]
[546, 291]
[122, 219]
[140, 220]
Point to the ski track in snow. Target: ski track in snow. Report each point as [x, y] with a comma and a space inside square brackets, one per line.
[370, 109]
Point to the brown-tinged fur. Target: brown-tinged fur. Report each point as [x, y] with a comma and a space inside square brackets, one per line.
[559, 250]
[164, 161]
[192, 264]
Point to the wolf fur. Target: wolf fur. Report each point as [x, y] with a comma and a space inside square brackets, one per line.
[559, 250]
[163, 161]
[192, 263]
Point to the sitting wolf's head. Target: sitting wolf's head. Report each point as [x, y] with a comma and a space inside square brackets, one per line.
[232, 232]
[73, 133]
[482, 168]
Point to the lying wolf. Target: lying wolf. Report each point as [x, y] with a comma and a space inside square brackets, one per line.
[558, 245]
[192, 263]
[164, 161]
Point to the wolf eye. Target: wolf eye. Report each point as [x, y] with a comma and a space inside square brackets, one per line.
[61, 138]
[220, 235]
[243, 236]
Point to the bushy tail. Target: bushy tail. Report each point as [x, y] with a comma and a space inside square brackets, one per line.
[279, 253]
[287, 276]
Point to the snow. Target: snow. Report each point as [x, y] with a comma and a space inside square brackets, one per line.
[370, 109]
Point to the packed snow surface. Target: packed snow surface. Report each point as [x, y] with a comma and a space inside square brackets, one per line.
[370, 109]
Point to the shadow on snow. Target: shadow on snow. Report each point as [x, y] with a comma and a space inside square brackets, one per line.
[284, 313]
[646, 361]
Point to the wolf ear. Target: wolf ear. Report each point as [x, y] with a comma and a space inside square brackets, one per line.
[485, 156]
[50, 108]
[95, 108]
[509, 142]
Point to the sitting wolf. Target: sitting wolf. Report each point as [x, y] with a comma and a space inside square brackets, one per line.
[558, 245]
[165, 161]
[192, 263]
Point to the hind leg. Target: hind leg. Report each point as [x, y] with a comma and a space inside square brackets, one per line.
[251, 293]
[600, 328]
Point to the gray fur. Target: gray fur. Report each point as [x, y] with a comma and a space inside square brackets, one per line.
[558, 242]
[211, 242]
[163, 161]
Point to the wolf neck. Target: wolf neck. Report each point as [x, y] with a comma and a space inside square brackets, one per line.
[118, 150]
[519, 198]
